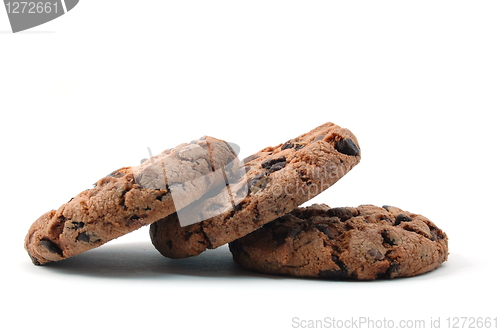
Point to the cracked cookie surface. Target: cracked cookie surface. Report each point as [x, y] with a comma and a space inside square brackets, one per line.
[129, 198]
[363, 243]
[275, 180]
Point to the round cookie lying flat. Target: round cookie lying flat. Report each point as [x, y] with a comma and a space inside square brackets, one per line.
[362, 243]
[275, 181]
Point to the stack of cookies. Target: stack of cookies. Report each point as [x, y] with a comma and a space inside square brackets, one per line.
[199, 196]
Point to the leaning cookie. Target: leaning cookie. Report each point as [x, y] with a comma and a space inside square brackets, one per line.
[129, 198]
[363, 243]
[275, 181]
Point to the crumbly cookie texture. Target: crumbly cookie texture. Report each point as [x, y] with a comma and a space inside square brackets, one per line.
[276, 180]
[129, 198]
[363, 243]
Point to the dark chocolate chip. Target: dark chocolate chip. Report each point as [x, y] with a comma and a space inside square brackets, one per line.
[187, 235]
[160, 197]
[343, 214]
[341, 273]
[77, 224]
[348, 147]
[267, 164]
[84, 237]
[324, 229]
[387, 238]
[134, 217]
[280, 234]
[334, 274]
[386, 207]
[277, 166]
[390, 273]
[287, 145]
[239, 206]
[402, 218]
[51, 247]
[35, 260]
[292, 145]
[375, 254]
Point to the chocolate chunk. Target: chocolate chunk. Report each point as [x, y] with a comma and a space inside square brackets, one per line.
[239, 206]
[347, 146]
[280, 234]
[387, 237]
[270, 162]
[160, 197]
[324, 229]
[341, 273]
[393, 269]
[334, 274]
[292, 145]
[386, 207]
[84, 237]
[343, 214]
[277, 166]
[51, 247]
[402, 218]
[375, 254]
[34, 260]
[77, 224]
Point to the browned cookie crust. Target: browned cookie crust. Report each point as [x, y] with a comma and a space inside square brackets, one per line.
[277, 180]
[363, 243]
[127, 199]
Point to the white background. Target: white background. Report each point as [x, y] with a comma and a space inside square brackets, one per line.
[417, 82]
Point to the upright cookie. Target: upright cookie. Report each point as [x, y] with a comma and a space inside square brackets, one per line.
[129, 198]
[276, 180]
[363, 243]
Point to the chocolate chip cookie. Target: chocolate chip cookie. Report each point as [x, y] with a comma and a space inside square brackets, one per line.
[363, 243]
[129, 198]
[274, 181]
